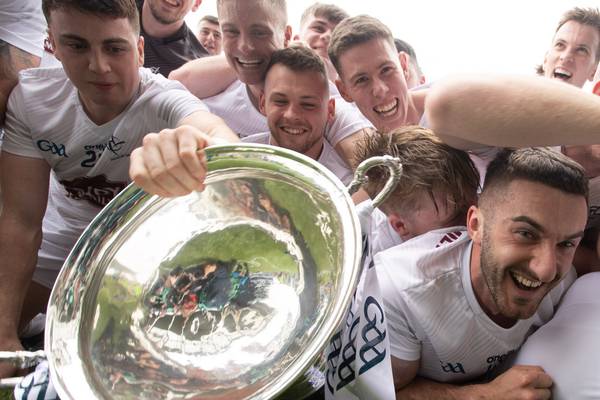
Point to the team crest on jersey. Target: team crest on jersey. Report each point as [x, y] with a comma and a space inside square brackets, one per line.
[97, 190]
[449, 238]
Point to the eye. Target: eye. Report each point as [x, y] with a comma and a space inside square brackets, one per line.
[318, 29]
[387, 69]
[361, 80]
[279, 102]
[525, 234]
[260, 33]
[231, 32]
[115, 50]
[309, 106]
[567, 244]
[76, 46]
[583, 50]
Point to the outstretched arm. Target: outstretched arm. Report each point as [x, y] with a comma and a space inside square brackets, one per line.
[205, 77]
[512, 111]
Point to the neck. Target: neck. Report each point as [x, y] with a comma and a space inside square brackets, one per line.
[314, 152]
[254, 92]
[155, 28]
[482, 292]
[416, 107]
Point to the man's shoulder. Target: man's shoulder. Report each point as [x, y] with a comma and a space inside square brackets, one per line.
[40, 78]
[237, 88]
[46, 87]
[425, 258]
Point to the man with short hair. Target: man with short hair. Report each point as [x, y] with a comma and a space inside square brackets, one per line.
[575, 51]
[504, 274]
[209, 34]
[168, 42]
[298, 108]
[252, 31]
[82, 122]
[415, 77]
[437, 186]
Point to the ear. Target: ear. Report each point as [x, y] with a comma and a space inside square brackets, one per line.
[196, 5]
[261, 103]
[404, 64]
[330, 110]
[593, 74]
[596, 89]
[399, 225]
[422, 80]
[296, 38]
[287, 36]
[53, 45]
[475, 224]
[342, 89]
[140, 49]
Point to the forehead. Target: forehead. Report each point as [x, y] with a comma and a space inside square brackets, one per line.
[579, 33]
[89, 26]
[208, 24]
[249, 12]
[367, 56]
[282, 79]
[318, 20]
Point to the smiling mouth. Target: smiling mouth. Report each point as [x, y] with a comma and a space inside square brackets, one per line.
[249, 63]
[172, 3]
[523, 282]
[293, 131]
[562, 74]
[387, 110]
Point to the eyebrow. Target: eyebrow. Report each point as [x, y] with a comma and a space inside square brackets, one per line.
[539, 227]
[362, 72]
[283, 94]
[70, 36]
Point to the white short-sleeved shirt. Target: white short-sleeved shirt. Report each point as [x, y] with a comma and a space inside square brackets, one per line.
[236, 108]
[433, 314]
[568, 346]
[22, 25]
[45, 119]
[329, 158]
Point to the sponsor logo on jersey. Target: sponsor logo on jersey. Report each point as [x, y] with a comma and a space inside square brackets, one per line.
[97, 190]
[449, 238]
[452, 368]
[51, 147]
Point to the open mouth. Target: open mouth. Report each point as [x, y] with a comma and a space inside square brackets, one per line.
[249, 63]
[388, 109]
[562, 74]
[523, 282]
[293, 131]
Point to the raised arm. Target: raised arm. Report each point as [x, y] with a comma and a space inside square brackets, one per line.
[206, 76]
[517, 111]
[25, 194]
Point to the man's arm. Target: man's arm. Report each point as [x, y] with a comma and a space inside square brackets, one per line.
[172, 163]
[512, 111]
[25, 194]
[12, 60]
[519, 382]
[206, 76]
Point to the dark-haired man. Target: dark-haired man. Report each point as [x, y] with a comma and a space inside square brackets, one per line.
[504, 274]
[209, 34]
[168, 42]
[81, 122]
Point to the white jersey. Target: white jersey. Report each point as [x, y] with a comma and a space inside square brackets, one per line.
[236, 108]
[22, 25]
[90, 163]
[568, 347]
[455, 340]
[381, 234]
[329, 158]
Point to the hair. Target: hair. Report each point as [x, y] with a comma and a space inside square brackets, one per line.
[299, 58]
[354, 31]
[210, 19]
[401, 45]
[273, 5]
[330, 12]
[540, 165]
[428, 166]
[585, 16]
[102, 8]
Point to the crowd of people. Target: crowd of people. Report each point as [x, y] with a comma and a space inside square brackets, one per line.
[495, 216]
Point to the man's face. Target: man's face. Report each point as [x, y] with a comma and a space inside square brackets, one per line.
[527, 243]
[572, 57]
[209, 35]
[372, 76]
[170, 11]
[101, 56]
[251, 34]
[316, 33]
[297, 107]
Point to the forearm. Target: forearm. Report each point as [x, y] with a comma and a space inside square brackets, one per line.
[18, 255]
[206, 76]
[512, 111]
[587, 156]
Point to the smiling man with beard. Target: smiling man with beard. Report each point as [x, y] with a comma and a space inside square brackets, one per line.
[298, 108]
[168, 42]
[459, 301]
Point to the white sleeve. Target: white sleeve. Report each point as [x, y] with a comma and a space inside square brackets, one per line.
[404, 343]
[22, 25]
[348, 120]
[17, 135]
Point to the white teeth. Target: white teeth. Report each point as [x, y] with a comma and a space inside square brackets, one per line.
[526, 282]
[562, 73]
[293, 131]
[387, 109]
[249, 62]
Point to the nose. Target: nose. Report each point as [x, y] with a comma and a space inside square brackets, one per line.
[246, 44]
[291, 112]
[567, 54]
[326, 36]
[544, 263]
[379, 88]
[98, 62]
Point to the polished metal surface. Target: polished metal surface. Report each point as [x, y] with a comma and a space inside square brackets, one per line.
[231, 293]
